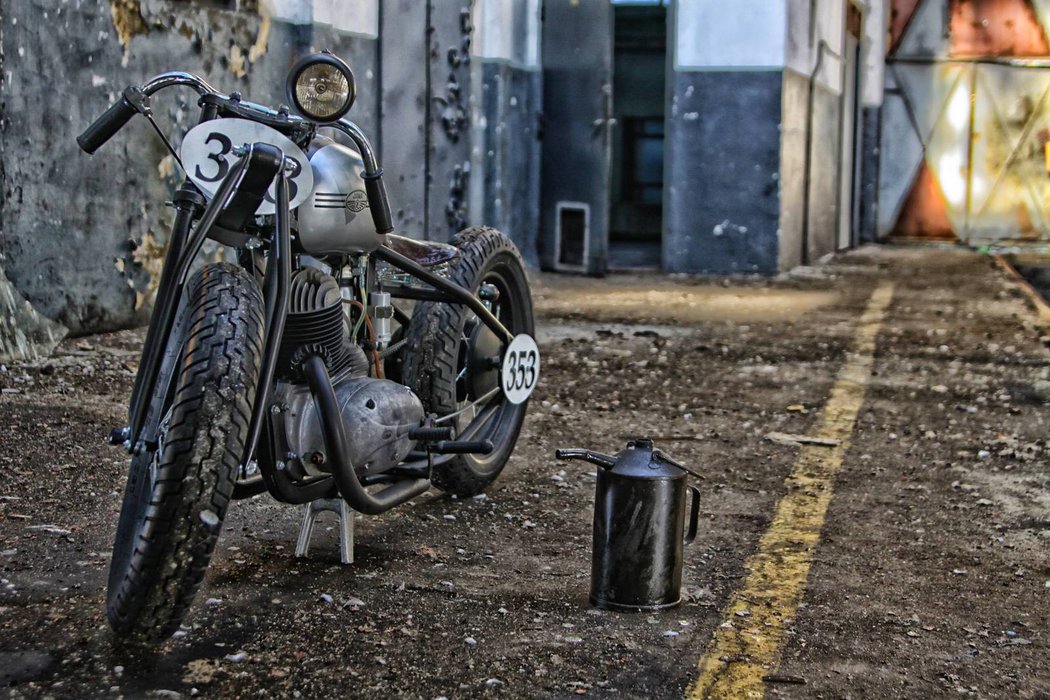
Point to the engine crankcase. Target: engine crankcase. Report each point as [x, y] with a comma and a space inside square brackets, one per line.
[377, 415]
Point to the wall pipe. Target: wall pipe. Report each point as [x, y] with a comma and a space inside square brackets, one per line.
[822, 48]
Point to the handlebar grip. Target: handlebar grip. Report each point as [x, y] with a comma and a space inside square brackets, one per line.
[378, 203]
[103, 128]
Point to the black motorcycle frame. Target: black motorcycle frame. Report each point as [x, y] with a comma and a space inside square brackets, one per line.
[236, 199]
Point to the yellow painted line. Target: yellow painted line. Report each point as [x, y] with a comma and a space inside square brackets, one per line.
[747, 645]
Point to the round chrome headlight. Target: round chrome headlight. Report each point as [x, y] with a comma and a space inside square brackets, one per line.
[322, 88]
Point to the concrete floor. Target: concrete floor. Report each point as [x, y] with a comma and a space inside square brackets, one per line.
[931, 575]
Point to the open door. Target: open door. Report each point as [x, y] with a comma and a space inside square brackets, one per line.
[577, 124]
[639, 86]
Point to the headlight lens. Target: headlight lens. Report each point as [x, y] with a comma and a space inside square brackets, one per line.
[322, 88]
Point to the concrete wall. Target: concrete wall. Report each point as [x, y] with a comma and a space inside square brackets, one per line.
[82, 238]
[452, 92]
[759, 156]
[508, 90]
[813, 84]
[722, 162]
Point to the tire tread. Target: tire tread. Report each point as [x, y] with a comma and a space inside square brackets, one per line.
[210, 414]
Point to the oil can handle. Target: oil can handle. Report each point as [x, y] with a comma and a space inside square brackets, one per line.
[694, 516]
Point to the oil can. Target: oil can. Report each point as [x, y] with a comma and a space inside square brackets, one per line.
[639, 527]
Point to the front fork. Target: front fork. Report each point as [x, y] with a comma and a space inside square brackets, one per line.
[157, 365]
[140, 433]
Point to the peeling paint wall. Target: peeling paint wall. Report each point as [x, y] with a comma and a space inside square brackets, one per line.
[82, 237]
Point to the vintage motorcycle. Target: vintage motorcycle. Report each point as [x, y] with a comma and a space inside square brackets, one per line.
[294, 371]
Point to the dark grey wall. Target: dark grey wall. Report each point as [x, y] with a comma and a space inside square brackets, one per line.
[81, 238]
[507, 153]
[450, 100]
[871, 128]
[577, 106]
[404, 132]
[721, 192]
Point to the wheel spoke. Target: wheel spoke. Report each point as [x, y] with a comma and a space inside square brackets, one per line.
[479, 421]
[479, 402]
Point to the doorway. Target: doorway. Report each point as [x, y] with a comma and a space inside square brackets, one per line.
[637, 167]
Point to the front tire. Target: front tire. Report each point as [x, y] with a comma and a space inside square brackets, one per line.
[176, 498]
[447, 360]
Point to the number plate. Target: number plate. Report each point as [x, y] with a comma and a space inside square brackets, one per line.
[521, 368]
[207, 154]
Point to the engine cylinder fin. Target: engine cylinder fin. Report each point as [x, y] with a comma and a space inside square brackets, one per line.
[315, 320]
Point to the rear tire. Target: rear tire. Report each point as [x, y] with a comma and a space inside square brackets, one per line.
[176, 498]
[445, 342]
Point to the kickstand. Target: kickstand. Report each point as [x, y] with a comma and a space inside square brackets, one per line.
[346, 527]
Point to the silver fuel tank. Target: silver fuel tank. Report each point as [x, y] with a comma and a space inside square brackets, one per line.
[335, 219]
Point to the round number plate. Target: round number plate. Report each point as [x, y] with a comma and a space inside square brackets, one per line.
[207, 154]
[521, 368]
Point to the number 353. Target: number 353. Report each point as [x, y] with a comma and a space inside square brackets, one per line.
[521, 369]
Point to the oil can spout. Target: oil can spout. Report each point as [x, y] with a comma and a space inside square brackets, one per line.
[603, 461]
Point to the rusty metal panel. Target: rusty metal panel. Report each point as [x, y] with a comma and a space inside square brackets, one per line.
[901, 12]
[925, 32]
[1009, 188]
[981, 167]
[995, 28]
[965, 125]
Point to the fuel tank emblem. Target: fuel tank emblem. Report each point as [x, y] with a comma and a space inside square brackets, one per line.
[356, 201]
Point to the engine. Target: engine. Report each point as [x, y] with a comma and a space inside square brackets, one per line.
[377, 413]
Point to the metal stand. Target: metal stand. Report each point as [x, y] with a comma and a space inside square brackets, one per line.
[346, 527]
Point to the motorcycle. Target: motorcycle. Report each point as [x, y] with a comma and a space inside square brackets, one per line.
[334, 359]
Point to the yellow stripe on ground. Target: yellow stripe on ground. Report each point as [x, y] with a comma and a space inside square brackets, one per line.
[746, 646]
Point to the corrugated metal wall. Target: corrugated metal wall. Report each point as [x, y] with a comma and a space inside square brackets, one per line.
[966, 121]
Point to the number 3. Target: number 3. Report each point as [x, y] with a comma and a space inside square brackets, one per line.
[509, 378]
[293, 189]
[531, 369]
[222, 167]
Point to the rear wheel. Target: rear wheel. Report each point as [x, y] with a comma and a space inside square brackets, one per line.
[176, 497]
[452, 360]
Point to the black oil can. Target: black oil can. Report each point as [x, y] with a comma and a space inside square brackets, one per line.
[639, 527]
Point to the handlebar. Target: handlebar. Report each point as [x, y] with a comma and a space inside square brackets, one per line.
[111, 121]
[135, 100]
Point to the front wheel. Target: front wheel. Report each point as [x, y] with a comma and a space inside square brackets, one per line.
[452, 360]
[176, 497]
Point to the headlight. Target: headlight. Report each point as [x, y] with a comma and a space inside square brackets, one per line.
[321, 87]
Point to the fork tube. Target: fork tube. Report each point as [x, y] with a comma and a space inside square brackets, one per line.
[275, 292]
[173, 277]
[187, 207]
